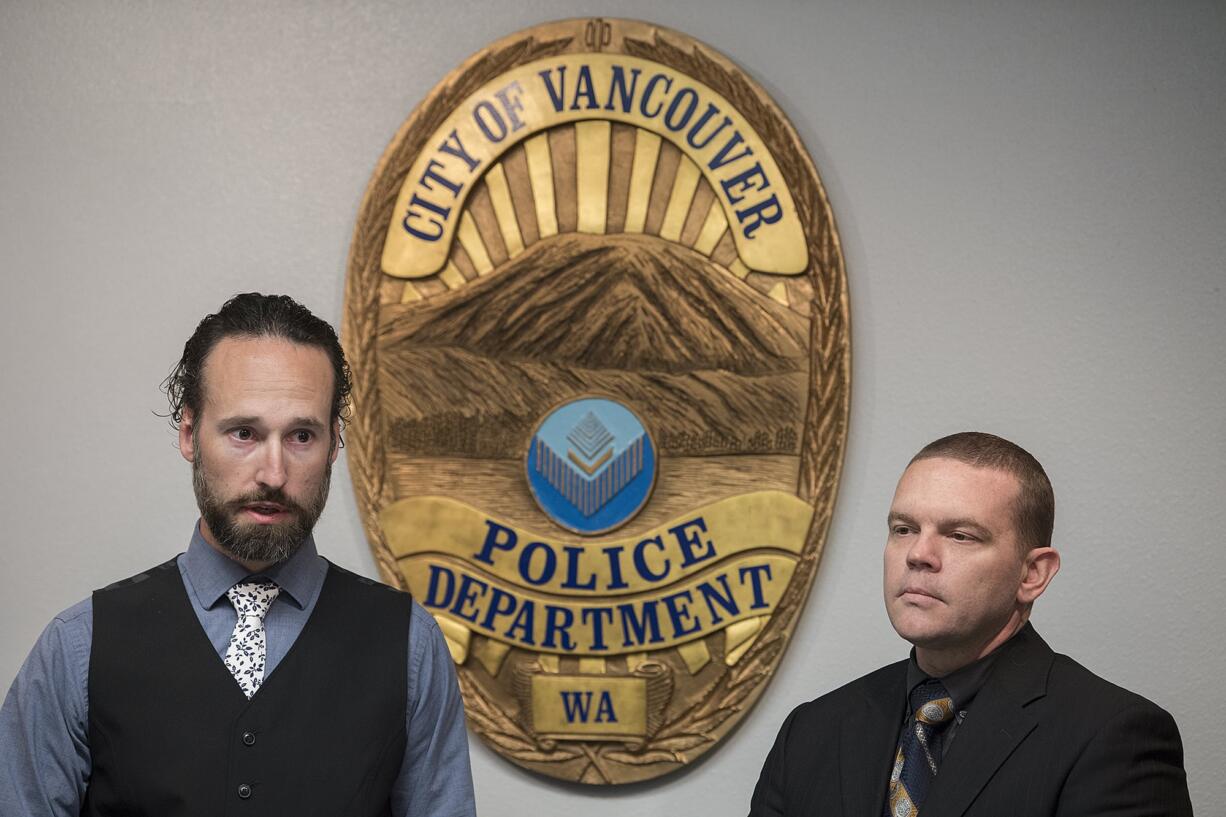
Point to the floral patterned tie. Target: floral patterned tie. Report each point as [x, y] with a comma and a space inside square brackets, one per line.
[248, 649]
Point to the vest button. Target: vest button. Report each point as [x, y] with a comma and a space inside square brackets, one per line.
[248, 739]
[244, 791]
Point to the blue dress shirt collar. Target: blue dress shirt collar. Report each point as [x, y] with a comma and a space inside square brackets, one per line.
[211, 574]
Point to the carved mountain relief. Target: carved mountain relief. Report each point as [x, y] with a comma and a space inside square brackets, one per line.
[716, 366]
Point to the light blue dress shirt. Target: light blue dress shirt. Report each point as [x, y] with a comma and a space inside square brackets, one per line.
[44, 723]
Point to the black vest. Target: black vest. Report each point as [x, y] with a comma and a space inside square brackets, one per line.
[171, 733]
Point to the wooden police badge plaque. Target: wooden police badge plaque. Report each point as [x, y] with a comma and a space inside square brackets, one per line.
[597, 316]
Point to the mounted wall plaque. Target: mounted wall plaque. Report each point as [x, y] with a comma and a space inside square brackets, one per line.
[597, 316]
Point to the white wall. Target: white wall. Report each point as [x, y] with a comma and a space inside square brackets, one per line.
[1031, 199]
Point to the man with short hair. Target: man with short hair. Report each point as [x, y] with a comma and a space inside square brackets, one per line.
[248, 674]
[983, 719]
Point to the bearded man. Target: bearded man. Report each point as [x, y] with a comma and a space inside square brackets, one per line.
[248, 674]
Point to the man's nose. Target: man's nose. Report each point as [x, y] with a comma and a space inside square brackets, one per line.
[272, 469]
[924, 553]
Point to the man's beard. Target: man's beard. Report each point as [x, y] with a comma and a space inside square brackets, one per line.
[253, 542]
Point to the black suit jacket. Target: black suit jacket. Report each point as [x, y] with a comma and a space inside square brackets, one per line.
[1044, 736]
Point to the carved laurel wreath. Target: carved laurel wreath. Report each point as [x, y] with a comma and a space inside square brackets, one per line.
[693, 730]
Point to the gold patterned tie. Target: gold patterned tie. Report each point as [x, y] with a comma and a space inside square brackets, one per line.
[919, 749]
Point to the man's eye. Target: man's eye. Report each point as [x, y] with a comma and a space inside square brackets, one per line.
[303, 436]
[243, 434]
[958, 536]
[902, 530]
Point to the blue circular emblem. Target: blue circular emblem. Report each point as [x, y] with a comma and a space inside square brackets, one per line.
[591, 465]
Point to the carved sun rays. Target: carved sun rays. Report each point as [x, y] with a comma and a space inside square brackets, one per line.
[572, 179]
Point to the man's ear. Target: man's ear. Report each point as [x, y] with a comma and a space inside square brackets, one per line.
[1038, 569]
[187, 441]
[336, 440]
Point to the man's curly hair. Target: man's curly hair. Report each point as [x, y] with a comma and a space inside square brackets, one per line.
[254, 315]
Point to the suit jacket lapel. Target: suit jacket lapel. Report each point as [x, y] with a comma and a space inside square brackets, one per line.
[868, 740]
[997, 722]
